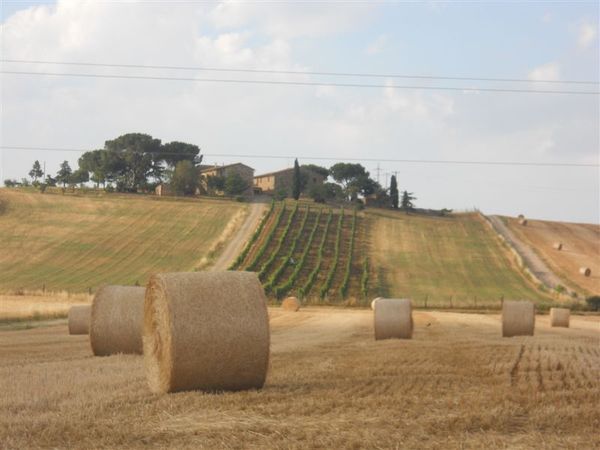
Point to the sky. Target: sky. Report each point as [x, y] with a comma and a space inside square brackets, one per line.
[525, 40]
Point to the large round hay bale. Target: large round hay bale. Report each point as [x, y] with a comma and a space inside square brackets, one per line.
[518, 318]
[291, 304]
[393, 318]
[79, 319]
[117, 320]
[523, 222]
[373, 302]
[559, 317]
[585, 271]
[557, 246]
[520, 216]
[205, 330]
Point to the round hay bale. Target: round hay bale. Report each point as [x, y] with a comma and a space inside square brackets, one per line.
[291, 304]
[518, 318]
[373, 302]
[79, 319]
[205, 330]
[559, 317]
[585, 271]
[521, 216]
[557, 246]
[393, 318]
[117, 320]
[523, 222]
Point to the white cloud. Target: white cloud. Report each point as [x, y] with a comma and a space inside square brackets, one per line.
[550, 71]
[378, 45]
[587, 35]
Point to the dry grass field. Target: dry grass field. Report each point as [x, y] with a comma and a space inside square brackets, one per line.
[457, 384]
[78, 242]
[34, 305]
[581, 248]
[450, 261]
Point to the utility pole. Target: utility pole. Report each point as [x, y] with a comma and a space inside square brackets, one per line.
[44, 172]
[378, 170]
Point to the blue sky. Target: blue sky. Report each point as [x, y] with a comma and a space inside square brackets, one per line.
[526, 40]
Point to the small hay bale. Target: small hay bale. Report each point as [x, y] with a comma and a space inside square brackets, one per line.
[523, 222]
[205, 330]
[393, 318]
[518, 318]
[559, 317]
[585, 271]
[117, 320]
[557, 246]
[373, 302]
[79, 319]
[291, 304]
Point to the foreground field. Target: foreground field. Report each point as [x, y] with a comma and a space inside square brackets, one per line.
[76, 243]
[581, 248]
[457, 384]
[446, 261]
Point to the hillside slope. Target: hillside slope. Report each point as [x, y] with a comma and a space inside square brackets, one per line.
[581, 248]
[79, 242]
[446, 261]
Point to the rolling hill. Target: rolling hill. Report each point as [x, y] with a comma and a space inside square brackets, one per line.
[580, 248]
[79, 242]
[451, 261]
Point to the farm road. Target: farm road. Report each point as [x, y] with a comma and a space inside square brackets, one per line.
[236, 244]
[530, 258]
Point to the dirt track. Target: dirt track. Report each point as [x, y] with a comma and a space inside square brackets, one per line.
[530, 258]
[456, 384]
[235, 246]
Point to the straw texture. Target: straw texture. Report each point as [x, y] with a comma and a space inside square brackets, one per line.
[117, 320]
[518, 318]
[559, 317]
[585, 271]
[557, 246]
[393, 318]
[205, 330]
[291, 304]
[79, 319]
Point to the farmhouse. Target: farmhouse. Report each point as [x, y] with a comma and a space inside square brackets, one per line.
[244, 171]
[282, 180]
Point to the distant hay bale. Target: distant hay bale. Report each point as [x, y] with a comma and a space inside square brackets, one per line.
[117, 320]
[559, 317]
[373, 302]
[521, 216]
[393, 318]
[79, 319]
[523, 222]
[291, 304]
[557, 246]
[205, 330]
[585, 271]
[518, 318]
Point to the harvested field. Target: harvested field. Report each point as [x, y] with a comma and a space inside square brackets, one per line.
[37, 305]
[78, 242]
[453, 261]
[580, 248]
[456, 384]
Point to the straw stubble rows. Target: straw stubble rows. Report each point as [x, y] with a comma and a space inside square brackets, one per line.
[456, 384]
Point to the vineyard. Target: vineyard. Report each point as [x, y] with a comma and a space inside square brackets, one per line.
[313, 252]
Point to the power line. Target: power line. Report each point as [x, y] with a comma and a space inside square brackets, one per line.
[297, 83]
[328, 158]
[297, 72]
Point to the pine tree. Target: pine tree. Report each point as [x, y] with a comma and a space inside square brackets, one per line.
[297, 181]
[36, 171]
[394, 192]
